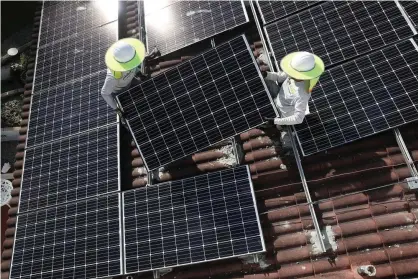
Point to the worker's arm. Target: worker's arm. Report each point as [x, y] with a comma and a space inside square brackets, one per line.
[298, 116]
[279, 76]
[108, 88]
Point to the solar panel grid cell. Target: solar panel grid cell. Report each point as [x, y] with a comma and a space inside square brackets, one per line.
[69, 169]
[339, 30]
[212, 97]
[273, 10]
[198, 219]
[411, 9]
[183, 23]
[69, 109]
[70, 17]
[47, 4]
[77, 240]
[362, 97]
[153, 6]
[73, 57]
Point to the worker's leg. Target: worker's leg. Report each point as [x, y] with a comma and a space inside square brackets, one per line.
[263, 59]
[109, 99]
[285, 140]
[272, 86]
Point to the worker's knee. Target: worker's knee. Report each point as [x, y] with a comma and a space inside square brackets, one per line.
[285, 140]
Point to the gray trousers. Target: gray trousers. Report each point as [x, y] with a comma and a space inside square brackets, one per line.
[274, 89]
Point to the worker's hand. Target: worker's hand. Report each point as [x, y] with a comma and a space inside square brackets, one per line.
[140, 76]
[264, 74]
[276, 121]
[120, 113]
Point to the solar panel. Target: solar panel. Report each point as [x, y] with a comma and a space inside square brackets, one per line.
[339, 30]
[47, 4]
[152, 6]
[203, 101]
[411, 9]
[362, 97]
[186, 22]
[273, 10]
[198, 219]
[69, 169]
[77, 240]
[73, 57]
[68, 109]
[70, 17]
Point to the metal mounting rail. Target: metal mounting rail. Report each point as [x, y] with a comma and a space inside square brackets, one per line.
[295, 150]
[306, 190]
[405, 153]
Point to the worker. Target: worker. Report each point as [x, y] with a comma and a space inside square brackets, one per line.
[123, 59]
[300, 73]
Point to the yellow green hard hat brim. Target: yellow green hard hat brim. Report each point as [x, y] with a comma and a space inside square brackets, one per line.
[114, 65]
[308, 75]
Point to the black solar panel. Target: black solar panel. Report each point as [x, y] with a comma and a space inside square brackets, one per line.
[411, 10]
[362, 97]
[273, 10]
[211, 97]
[339, 30]
[69, 109]
[73, 57]
[70, 17]
[198, 219]
[153, 6]
[47, 4]
[73, 168]
[77, 240]
[186, 22]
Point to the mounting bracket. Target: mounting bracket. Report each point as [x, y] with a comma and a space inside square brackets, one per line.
[405, 152]
[161, 272]
[412, 182]
[258, 258]
[238, 150]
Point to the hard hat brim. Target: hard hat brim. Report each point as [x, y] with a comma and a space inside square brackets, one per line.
[114, 65]
[308, 75]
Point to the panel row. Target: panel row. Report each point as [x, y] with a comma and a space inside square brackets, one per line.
[339, 30]
[183, 23]
[362, 97]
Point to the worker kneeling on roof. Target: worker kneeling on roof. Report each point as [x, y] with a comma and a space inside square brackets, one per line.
[122, 60]
[300, 73]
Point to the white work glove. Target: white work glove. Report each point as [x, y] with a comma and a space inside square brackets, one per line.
[121, 116]
[272, 120]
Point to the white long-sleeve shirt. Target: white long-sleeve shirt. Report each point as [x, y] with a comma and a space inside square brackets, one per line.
[292, 99]
[114, 85]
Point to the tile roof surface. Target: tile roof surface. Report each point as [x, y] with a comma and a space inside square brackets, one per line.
[365, 224]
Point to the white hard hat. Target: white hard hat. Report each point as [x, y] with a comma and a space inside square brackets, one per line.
[303, 61]
[123, 52]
